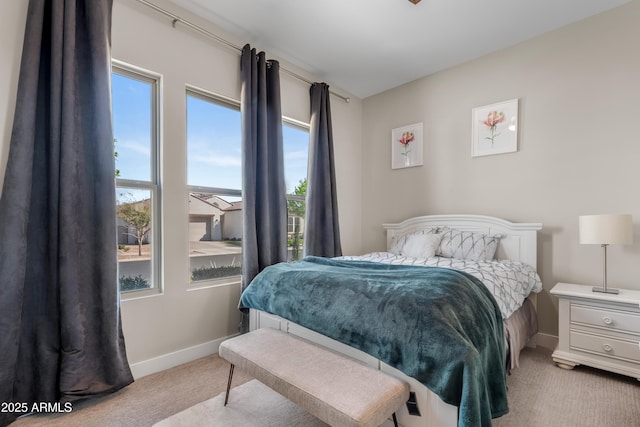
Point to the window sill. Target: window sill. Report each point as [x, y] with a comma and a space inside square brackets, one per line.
[134, 295]
[214, 283]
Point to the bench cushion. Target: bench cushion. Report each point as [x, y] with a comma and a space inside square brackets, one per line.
[335, 388]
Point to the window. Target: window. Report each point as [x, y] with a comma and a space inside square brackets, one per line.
[214, 180]
[296, 153]
[135, 123]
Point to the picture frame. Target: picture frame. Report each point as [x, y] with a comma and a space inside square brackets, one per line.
[494, 128]
[406, 146]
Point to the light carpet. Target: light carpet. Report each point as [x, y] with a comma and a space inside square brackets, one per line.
[250, 405]
[540, 395]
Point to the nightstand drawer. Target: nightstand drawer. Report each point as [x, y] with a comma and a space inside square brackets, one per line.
[605, 318]
[606, 346]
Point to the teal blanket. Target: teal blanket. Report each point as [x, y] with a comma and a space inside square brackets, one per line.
[439, 326]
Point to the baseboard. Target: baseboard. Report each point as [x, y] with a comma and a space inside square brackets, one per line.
[169, 360]
[547, 341]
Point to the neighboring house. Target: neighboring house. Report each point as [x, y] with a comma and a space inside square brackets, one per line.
[232, 225]
[126, 234]
[206, 218]
[213, 218]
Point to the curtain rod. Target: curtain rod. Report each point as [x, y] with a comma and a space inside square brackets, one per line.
[219, 39]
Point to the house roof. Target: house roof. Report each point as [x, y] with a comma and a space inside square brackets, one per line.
[235, 206]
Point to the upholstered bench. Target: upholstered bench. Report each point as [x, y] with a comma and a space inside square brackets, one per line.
[335, 388]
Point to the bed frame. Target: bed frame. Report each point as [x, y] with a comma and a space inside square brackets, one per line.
[519, 243]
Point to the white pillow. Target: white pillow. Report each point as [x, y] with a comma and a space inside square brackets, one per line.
[421, 246]
[468, 245]
[398, 241]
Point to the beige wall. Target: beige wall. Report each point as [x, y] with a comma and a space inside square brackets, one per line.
[181, 323]
[579, 92]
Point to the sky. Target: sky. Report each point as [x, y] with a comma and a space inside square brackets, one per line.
[213, 139]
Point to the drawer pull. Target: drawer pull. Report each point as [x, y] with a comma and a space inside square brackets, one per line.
[607, 348]
[607, 320]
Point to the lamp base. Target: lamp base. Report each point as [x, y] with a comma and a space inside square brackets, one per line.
[605, 290]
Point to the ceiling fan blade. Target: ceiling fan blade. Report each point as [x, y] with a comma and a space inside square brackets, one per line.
[415, 1]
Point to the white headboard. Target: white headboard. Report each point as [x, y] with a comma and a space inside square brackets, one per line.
[519, 241]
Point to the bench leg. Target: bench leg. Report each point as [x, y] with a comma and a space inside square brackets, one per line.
[395, 420]
[226, 397]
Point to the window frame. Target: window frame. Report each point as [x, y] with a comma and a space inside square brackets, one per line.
[306, 127]
[234, 104]
[154, 186]
[221, 101]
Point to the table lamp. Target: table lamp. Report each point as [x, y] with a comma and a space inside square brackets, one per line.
[605, 230]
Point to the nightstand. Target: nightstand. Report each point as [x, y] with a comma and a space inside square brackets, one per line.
[597, 329]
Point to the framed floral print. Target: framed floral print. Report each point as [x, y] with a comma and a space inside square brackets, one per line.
[406, 146]
[495, 128]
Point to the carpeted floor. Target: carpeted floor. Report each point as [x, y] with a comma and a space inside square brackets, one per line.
[251, 404]
[149, 399]
[540, 394]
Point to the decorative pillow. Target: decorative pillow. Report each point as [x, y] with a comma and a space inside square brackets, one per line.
[468, 245]
[398, 241]
[421, 246]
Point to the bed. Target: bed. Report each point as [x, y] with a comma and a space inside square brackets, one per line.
[517, 324]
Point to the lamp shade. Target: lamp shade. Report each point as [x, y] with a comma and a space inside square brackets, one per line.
[606, 229]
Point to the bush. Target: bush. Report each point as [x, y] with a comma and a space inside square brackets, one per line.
[205, 273]
[133, 283]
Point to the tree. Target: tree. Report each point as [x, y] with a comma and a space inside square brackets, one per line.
[296, 208]
[138, 216]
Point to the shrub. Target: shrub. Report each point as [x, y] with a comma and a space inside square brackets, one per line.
[205, 273]
[133, 283]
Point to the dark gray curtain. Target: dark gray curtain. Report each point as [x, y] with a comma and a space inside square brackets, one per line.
[321, 229]
[263, 187]
[60, 332]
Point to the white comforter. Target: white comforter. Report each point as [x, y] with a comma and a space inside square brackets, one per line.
[510, 282]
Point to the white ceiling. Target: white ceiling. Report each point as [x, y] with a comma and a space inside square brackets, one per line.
[367, 46]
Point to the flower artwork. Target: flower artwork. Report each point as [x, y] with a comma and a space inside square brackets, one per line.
[494, 129]
[405, 139]
[494, 118]
[406, 146]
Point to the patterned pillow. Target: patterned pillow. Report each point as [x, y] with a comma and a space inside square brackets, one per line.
[421, 246]
[398, 241]
[468, 245]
